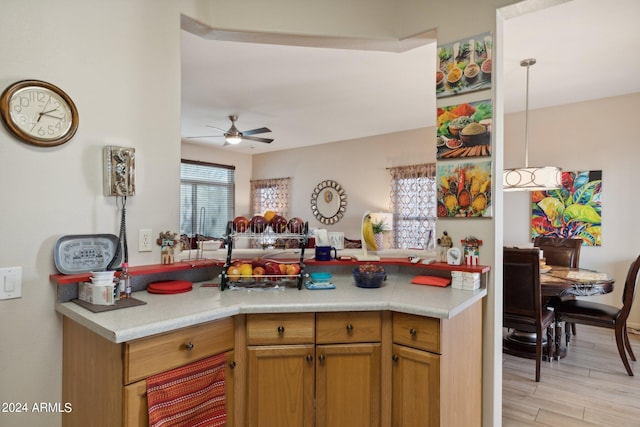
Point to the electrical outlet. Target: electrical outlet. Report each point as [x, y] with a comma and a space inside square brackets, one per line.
[145, 240]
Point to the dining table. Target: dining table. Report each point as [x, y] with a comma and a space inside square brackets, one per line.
[557, 282]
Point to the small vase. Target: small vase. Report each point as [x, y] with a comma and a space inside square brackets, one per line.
[379, 239]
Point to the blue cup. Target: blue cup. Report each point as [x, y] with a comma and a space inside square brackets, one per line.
[323, 253]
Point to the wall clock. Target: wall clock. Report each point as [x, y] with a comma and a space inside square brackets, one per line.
[328, 202]
[38, 113]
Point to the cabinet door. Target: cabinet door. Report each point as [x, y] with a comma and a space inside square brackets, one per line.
[280, 386]
[348, 385]
[136, 412]
[416, 388]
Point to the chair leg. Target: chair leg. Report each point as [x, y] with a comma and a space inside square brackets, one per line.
[620, 334]
[538, 356]
[573, 329]
[627, 343]
[567, 332]
[550, 347]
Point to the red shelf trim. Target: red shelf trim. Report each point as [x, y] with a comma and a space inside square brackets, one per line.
[67, 279]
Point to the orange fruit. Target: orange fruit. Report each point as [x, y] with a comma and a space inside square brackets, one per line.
[268, 216]
[233, 273]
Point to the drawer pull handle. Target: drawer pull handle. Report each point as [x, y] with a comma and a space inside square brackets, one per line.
[188, 346]
[281, 329]
[309, 358]
[322, 358]
[413, 332]
[395, 358]
[232, 365]
[349, 327]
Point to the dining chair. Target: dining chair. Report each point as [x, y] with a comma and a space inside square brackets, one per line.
[522, 299]
[606, 316]
[564, 253]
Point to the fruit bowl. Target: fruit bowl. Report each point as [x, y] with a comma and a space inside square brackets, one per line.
[369, 278]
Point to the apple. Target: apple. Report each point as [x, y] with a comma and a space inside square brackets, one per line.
[272, 269]
[257, 223]
[258, 272]
[283, 268]
[279, 224]
[240, 224]
[233, 273]
[258, 262]
[296, 225]
[268, 216]
[293, 270]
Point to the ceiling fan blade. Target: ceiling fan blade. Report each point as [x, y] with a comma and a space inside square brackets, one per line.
[214, 127]
[204, 136]
[255, 131]
[255, 138]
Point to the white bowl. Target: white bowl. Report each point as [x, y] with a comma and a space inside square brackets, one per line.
[103, 274]
[100, 281]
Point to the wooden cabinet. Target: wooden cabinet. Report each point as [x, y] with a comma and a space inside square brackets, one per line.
[105, 382]
[332, 359]
[437, 370]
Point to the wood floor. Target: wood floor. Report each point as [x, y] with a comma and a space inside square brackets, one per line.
[590, 387]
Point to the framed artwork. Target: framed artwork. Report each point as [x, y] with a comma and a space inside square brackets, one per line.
[464, 66]
[573, 211]
[464, 189]
[464, 130]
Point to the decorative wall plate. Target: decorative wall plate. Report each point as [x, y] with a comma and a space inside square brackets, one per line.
[328, 202]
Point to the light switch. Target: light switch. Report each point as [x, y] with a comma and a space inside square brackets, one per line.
[10, 283]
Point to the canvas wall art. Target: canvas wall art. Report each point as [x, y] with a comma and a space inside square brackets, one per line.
[464, 189]
[464, 130]
[573, 211]
[464, 66]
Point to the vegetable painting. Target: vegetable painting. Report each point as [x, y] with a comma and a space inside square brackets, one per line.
[573, 211]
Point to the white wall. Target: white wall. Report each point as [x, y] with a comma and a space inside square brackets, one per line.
[120, 63]
[594, 135]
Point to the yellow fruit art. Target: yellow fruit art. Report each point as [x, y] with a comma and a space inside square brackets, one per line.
[246, 270]
[268, 215]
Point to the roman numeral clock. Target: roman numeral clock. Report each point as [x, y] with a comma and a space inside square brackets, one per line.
[38, 113]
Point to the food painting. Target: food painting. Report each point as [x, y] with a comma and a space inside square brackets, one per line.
[573, 211]
[464, 66]
[464, 189]
[464, 130]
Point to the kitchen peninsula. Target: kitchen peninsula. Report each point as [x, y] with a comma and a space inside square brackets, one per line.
[422, 343]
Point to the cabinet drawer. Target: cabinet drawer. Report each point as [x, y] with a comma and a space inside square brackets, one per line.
[280, 328]
[159, 353]
[346, 327]
[417, 331]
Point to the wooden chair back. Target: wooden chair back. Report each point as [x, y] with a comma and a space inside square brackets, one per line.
[629, 293]
[522, 303]
[559, 251]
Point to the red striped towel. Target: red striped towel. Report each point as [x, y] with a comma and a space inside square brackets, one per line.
[189, 396]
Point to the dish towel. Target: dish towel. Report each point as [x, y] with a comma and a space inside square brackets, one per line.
[192, 395]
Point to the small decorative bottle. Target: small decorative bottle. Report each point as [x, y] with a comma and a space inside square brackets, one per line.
[125, 281]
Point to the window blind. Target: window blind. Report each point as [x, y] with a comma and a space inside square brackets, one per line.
[207, 198]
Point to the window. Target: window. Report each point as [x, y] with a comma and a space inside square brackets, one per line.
[207, 198]
[270, 195]
[414, 205]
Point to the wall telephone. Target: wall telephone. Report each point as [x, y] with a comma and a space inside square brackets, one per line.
[119, 171]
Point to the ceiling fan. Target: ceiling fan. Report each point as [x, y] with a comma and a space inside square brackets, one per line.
[234, 136]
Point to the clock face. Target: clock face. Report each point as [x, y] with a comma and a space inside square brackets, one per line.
[39, 113]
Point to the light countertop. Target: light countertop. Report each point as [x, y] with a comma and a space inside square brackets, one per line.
[164, 313]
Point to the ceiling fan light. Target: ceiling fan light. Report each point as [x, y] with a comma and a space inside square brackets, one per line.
[532, 179]
[233, 139]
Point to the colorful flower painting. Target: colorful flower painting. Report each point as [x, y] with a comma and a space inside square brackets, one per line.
[464, 189]
[573, 211]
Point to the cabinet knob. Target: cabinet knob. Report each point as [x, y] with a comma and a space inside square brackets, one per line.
[349, 327]
[413, 332]
[322, 358]
[281, 329]
[395, 358]
[309, 358]
[232, 364]
[188, 346]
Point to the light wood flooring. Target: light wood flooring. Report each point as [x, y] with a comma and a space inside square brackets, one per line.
[590, 387]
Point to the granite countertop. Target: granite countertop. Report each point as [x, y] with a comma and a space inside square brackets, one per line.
[164, 313]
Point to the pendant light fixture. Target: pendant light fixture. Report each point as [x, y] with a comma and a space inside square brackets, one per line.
[534, 178]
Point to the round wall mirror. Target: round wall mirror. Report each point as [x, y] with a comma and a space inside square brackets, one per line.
[328, 202]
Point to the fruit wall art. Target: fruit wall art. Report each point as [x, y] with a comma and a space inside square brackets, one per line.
[464, 189]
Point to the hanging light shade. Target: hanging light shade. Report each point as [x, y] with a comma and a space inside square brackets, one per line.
[530, 178]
